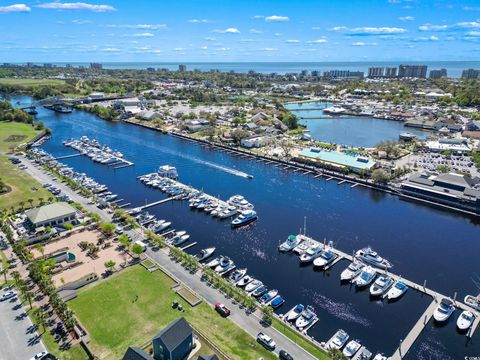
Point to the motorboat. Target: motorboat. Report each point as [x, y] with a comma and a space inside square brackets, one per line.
[397, 290]
[245, 218]
[368, 256]
[214, 263]
[180, 233]
[351, 348]
[365, 278]
[179, 240]
[352, 271]
[253, 285]
[381, 285]
[363, 354]
[289, 244]
[225, 264]
[163, 226]
[205, 253]
[245, 280]
[277, 302]
[326, 258]
[258, 292]
[268, 296]
[338, 340]
[237, 275]
[229, 212]
[301, 248]
[334, 110]
[380, 356]
[465, 320]
[306, 318]
[295, 313]
[311, 254]
[444, 310]
[472, 301]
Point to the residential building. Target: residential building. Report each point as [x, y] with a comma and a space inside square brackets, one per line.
[455, 145]
[450, 189]
[196, 125]
[96, 66]
[376, 72]
[470, 74]
[182, 68]
[438, 74]
[51, 215]
[412, 71]
[340, 160]
[343, 74]
[390, 72]
[255, 141]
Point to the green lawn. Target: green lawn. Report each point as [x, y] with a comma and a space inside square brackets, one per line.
[30, 82]
[300, 340]
[23, 187]
[13, 134]
[115, 318]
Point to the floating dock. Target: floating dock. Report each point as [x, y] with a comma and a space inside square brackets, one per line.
[157, 203]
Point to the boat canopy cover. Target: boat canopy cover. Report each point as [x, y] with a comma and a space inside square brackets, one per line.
[291, 237]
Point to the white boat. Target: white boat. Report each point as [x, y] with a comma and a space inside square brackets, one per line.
[289, 244]
[338, 340]
[380, 357]
[334, 110]
[351, 348]
[245, 280]
[214, 263]
[225, 264]
[306, 318]
[205, 253]
[228, 213]
[180, 233]
[465, 320]
[397, 290]
[381, 285]
[325, 259]
[363, 354]
[253, 285]
[237, 275]
[295, 312]
[365, 278]
[268, 296]
[301, 248]
[245, 218]
[179, 240]
[472, 301]
[351, 271]
[368, 256]
[163, 226]
[444, 310]
[311, 254]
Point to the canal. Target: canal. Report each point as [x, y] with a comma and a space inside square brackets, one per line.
[423, 243]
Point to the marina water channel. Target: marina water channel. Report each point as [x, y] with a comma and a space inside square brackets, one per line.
[423, 243]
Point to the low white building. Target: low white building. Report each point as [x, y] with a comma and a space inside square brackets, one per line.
[446, 144]
[255, 141]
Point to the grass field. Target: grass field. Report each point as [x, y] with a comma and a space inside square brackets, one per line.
[23, 187]
[134, 305]
[30, 82]
[13, 134]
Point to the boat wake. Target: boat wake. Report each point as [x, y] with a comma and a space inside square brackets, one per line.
[340, 310]
[432, 349]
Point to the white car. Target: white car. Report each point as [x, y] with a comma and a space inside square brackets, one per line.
[8, 295]
[39, 356]
[266, 341]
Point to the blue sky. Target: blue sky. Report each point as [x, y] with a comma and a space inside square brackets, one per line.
[242, 30]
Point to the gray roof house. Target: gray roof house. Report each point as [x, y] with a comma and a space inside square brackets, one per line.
[51, 215]
[174, 342]
[136, 354]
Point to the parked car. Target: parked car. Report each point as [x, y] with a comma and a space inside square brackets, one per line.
[284, 355]
[222, 309]
[266, 341]
[40, 356]
[8, 295]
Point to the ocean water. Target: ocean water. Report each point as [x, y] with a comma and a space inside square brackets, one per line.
[454, 68]
[423, 243]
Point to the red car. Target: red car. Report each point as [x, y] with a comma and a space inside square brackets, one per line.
[222, 309]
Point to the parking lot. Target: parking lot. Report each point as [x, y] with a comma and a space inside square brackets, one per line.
[18, 337]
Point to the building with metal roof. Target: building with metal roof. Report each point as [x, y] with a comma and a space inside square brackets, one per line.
[51, 215]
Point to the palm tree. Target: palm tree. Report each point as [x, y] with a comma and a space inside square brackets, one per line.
[40, 318]
[41, 201]
[40, 249]
[51, 199]
[31, 202]
[22, 204]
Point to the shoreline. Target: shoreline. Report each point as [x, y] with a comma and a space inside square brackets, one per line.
[325, 173]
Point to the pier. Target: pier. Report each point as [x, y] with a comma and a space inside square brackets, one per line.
[65, 157]
[407, 343]
[188, 246]
[157, 203]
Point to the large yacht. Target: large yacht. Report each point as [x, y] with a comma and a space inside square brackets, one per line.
[307, 317]
[368, 256]
[288, 245]
[311, 254]
[246, 217]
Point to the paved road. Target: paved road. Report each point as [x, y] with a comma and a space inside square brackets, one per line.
[250, 323]
[18, 339]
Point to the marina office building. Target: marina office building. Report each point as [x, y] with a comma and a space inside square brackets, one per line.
[460, 191]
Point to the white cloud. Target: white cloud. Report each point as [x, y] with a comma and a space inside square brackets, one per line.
[230, 30]
[406, 18]
[110, 49]
[268, 49]
[316, 28]
[471, 8]
[198, 21]
[248, 40]
[81, 22]
[255, 31]
[468, 25]
[360, 43]
[430, 27]
[179, 49]
[77, 6]
[366, 30]
[318, 41]
[473, 33]
[259, 17]
[426, 38]
[145, 34]
[14, 8]
[138, 26]
[276, 18]
[292, 41]
[278, 34]
[210, 38]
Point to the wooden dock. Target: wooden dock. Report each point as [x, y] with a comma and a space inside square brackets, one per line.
[65, 157]
[188, 246]
[157, 203]
[124, 205]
